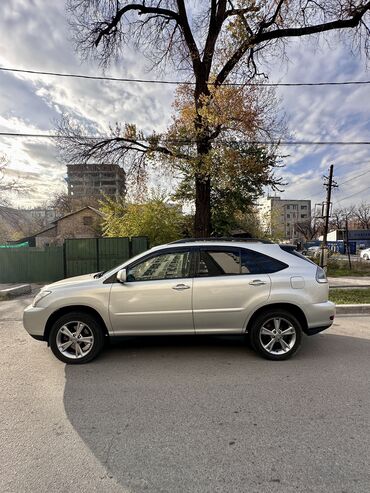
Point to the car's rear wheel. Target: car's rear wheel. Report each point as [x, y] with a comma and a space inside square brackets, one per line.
[276, 335]
[76, 338]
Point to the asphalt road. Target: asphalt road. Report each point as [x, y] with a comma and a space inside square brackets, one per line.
[185, 415]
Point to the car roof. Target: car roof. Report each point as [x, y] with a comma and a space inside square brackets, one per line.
[215, 242]
[223, 239]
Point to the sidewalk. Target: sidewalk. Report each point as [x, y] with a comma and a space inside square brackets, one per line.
[349, 282]
[14, 290]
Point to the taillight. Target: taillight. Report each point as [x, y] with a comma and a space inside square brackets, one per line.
[320, 275]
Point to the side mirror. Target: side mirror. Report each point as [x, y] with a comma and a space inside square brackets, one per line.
[122, 275]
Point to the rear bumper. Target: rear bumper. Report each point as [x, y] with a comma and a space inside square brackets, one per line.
[316, 330]
[320, 316]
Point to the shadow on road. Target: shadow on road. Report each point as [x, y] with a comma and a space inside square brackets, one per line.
[182, 414]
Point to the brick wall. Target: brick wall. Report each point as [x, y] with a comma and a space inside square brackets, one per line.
[83, 224]
[47, 237]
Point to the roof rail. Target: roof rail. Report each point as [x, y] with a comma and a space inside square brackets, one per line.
[222, 238]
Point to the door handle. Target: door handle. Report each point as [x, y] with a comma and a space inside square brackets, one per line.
[257, 282]
[181, 287]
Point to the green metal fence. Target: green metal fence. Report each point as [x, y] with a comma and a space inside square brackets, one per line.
[31, 264]
[75, 257]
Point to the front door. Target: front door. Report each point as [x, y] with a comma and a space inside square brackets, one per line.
[157, 296]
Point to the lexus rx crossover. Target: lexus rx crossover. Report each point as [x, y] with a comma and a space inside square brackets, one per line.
[268, 292]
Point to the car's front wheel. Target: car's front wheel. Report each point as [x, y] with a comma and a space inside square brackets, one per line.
[276, 335]
[366, 256]
[76, 338]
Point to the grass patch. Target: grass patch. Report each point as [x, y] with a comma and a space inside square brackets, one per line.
[345, 272]
[349, 296]
[339, 268]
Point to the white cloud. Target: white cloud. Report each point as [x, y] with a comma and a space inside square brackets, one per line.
[35, 36]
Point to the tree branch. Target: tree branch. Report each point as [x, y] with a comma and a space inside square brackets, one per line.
[216, 20]
[262, 36]
[188, 35]
[141, 9]
[265, 25]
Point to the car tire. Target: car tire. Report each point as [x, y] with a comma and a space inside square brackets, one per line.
[268, 338]
[76, 338]
[366, 257]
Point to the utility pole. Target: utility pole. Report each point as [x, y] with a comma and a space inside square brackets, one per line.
[347, 245]
[329, 185]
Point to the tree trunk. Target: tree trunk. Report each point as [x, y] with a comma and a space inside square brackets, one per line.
[202, 221]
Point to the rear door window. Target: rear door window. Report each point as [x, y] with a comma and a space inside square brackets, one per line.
[219, 262]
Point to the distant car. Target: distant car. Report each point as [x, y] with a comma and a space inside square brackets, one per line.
[313, 251]
[365, 254]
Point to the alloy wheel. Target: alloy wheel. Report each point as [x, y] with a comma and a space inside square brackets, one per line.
[75, 339]
[277, 336]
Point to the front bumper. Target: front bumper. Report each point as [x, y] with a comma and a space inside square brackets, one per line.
[34, 321]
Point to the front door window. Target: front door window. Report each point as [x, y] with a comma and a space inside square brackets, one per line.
[174, 265]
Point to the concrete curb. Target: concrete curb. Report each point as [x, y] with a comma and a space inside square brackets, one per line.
[346, 286]
[7, 294]
[353, 309]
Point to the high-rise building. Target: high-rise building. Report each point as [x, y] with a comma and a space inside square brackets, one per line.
[94, 180]
[279, 217]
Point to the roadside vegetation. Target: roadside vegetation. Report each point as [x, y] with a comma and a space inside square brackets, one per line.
[340, 268]
[349, 296]
[162, 222]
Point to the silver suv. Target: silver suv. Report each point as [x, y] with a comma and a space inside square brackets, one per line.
[268, 292]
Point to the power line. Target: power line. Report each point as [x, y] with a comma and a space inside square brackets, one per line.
[353, 194]
[188, 141]
[354, 177]
[176, 82]
[340, 184]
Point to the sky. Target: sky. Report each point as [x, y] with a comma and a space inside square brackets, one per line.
[34, 34]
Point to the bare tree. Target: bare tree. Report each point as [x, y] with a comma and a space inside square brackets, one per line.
[362, 215]
[9, 186]
[310, 229]
[213, 42]
[340, 217]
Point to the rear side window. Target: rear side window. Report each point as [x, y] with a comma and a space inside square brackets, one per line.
[235, 261]
[258, 263]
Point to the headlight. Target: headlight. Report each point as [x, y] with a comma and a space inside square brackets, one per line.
[40, 296]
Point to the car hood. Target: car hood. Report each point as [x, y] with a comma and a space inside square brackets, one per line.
[72, 280]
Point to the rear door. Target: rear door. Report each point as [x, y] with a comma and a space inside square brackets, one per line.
[227, 285]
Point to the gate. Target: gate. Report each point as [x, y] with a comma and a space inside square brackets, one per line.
[83, 256]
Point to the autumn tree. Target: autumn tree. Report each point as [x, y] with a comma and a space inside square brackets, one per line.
[213, 43]
[236, 186]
